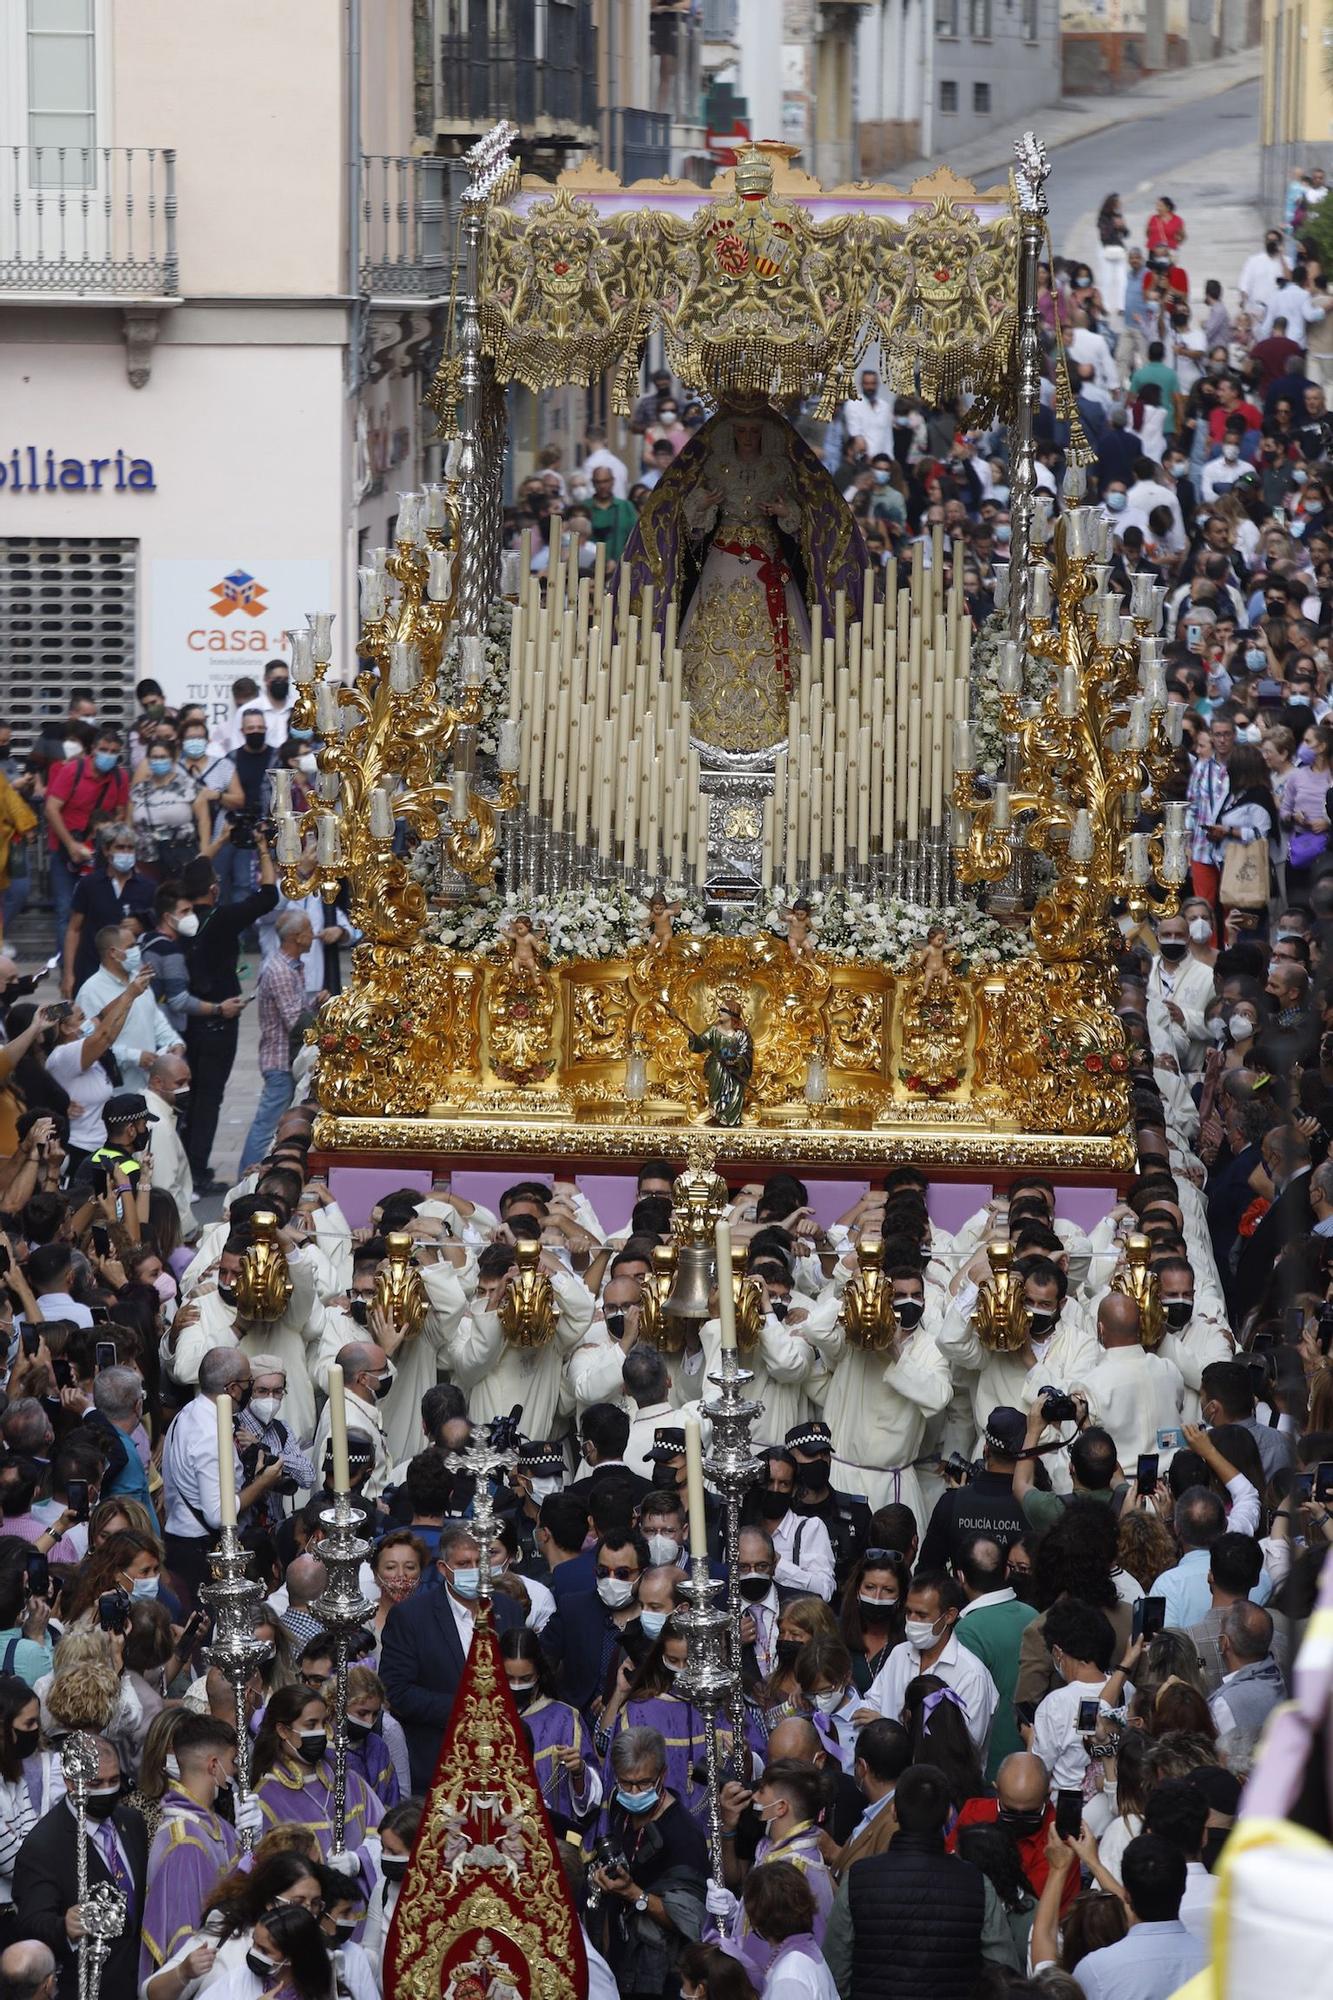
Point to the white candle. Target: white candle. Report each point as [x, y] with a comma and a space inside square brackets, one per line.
[1069, 692]
[289, 840]
[329, 845]
[1000, 807]
[726, 1298]
[338, 1429]
[226, 1463]
[381, 814]
[508, 754]
[281, 781]
[694, 1487]
[458, 806]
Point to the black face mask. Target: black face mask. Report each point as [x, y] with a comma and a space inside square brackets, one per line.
[1177, 1313]
[101, 1805]
[393, 1867]
[1022, 1823]
[311, 1745]
[279, 686]
[344, 1930]
[1021, 1585]
[786, 1651]
[754, 1589]
[26, 1741]
[664, 1479]
[357, 1732]
[1214, 1840]
[1040, 1322]
[908, 1312]
[227, 1293]
[255, 741]
[812, 1479]
[615, 1325]
[1172, 949]
[779, 1308]
[774, 1506]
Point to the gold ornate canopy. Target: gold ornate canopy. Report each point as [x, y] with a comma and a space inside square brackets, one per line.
[764, 283]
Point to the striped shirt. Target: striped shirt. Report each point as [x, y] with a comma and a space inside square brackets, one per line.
[1208, 787]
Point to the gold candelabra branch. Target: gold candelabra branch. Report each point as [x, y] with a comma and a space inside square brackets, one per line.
[528, 1309]
[1138, 1281]
[1081, 756]
[387, 742]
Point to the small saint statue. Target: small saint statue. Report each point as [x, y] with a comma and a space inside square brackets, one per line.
[526, 944]
[660, 923]
[932, 960]
[728, 1051]
[797, 919]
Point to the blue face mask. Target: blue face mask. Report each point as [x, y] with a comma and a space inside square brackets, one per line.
[144, 1587]
[1305, 756]
[105, 760]
[301, 735]
[465, 1582]
[132, 958]
[1255, 659]
[638, 1802]
[653, 1622]
[1116, 502]
[159, 766]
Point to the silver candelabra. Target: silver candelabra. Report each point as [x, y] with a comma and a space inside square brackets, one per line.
[103, 1909]
[342, 1610]
[732, 1466]
[706, 1681]
[234, 1598]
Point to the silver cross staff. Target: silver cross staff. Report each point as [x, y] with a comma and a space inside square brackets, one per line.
[481, 1459]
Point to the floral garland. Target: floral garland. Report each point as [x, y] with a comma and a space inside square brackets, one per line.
[494, 675]
[847, 924]
[576, 923]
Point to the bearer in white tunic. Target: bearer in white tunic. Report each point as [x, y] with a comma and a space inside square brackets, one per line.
[878, 1405]
[295, 1338]
[1058, 1344]
[1129, 1392]
[495, 1376]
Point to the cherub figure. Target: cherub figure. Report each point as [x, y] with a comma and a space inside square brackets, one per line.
[527, 944]
[933, 959]
[661, 918]
[797, 919]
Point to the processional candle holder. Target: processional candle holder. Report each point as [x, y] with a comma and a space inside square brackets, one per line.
[234, 1599]
[102, 1906]
[342, 1610]
[731, 1465]
[707, 1681]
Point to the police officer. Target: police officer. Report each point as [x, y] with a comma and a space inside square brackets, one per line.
[845, 1515]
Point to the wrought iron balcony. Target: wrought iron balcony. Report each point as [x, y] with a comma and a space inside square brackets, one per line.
[534, 61]
[88, 222]
[406, 226]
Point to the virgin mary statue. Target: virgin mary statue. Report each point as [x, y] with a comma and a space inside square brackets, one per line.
[744, 528]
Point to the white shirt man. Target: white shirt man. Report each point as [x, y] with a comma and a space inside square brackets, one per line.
[956, 1667]
[1187, 986]
[1259, 276]
[601, 455]
[1145, 494]
[190, 1479]
[146, 1033]
[870, 416]
[805, 1554]
[1298, 306]
[1087, 349]
[171, 1168]
[783, 1360]
[363, 1411]
[1056, 1737]
[1130, 1393]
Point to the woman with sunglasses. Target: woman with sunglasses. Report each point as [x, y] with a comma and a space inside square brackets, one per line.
[873, 1610]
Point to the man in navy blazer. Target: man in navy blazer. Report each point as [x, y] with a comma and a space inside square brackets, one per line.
[426, 1642]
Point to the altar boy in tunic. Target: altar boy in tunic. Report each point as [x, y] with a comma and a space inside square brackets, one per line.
[193, 1847]
[562, 1749]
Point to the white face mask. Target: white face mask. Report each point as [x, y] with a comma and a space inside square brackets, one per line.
[1242, 1027]
[920, 1632]
[265, 1408]
[1200, 929]
[832, 1699]
[614, 1591]
[543, 1489]
[188, 925]
[662, 1549]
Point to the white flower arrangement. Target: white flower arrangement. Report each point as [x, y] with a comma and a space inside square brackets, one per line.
[494, 675]
[988, 735]
[849, 924]
[591, 923]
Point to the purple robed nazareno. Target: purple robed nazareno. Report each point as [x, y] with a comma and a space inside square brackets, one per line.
[295, 1795]
[191, 1849]
[685, 1733]
[801, 1848]
[372, 1763]
[554, 1725]
[830, 547]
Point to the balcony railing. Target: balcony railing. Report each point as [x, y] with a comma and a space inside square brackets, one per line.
[538, 67]
[641, 143]
[406, 232]
[88, 221]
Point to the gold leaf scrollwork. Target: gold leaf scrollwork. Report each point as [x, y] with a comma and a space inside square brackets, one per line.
[521, 1024]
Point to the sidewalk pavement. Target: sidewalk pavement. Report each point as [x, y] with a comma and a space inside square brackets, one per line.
[990, 157]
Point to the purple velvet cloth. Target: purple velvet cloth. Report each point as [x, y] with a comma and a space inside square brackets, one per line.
[191, 1849]
[554, 1725]
[685, 1734]
[831, 544]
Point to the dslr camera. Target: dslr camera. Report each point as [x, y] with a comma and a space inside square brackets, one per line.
[1057, 1408]
[245, 823]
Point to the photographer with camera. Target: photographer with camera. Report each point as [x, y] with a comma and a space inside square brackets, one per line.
[212, 1034]
[649, 1870]
[979, 1500]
